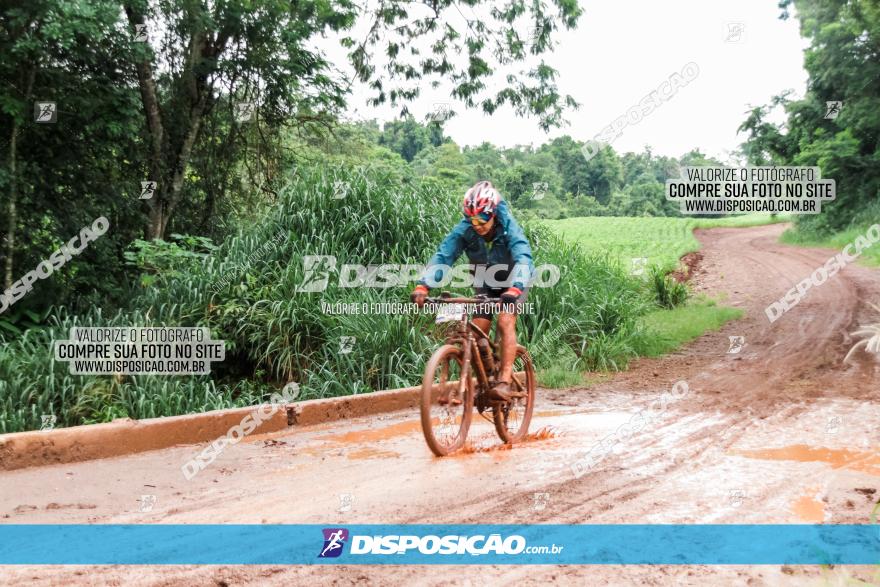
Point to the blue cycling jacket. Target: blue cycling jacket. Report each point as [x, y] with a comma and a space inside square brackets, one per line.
[509, 248]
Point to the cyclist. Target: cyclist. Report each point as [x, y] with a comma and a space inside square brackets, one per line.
[494, 242]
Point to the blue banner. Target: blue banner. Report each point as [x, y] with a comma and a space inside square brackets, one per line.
[716, 544]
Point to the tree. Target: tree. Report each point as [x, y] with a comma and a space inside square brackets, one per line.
[843, 63]
[257, 51]
[407, 137]
[58, 177]
[604, 174]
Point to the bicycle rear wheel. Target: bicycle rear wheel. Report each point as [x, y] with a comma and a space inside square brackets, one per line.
[513, 418]
[445, 424]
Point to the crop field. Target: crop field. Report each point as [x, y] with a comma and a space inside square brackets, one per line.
[660, 240]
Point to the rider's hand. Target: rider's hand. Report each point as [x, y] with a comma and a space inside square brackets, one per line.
[418, 295]
[511, 295]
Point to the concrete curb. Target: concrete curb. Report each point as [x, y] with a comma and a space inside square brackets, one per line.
[19, 450]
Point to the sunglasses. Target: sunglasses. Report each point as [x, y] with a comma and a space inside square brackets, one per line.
[480, 219]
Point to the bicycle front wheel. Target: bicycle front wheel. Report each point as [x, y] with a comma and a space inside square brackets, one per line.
[513, 418]
[447, 406]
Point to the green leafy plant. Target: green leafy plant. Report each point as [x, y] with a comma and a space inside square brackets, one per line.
[668, 292]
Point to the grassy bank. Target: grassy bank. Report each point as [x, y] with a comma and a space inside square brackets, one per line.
[870, 256]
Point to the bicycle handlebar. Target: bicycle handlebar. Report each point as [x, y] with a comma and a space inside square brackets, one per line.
[448, 299]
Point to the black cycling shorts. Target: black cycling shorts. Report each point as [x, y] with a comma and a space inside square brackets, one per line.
[496, 293]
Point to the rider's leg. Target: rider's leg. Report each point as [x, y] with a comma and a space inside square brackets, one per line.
[507, 328]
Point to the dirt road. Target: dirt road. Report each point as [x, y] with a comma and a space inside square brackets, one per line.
[780, 432]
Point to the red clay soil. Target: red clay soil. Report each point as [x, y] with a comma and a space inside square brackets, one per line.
[688, 265]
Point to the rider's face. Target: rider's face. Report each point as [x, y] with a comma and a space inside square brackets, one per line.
[484, 229]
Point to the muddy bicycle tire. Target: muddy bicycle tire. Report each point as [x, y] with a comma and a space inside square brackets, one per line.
[445, 362]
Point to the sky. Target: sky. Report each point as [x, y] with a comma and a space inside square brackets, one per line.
[624, 49]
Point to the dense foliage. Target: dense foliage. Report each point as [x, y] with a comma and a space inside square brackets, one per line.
[843, 63]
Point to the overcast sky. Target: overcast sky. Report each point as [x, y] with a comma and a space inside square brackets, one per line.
[623, 50]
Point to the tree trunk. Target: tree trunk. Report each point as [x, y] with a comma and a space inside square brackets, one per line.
[12, 206]
[11, 210]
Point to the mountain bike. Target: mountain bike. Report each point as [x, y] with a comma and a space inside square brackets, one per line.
[459, 376]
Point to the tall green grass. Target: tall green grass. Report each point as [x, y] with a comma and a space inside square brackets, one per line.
[246, 293]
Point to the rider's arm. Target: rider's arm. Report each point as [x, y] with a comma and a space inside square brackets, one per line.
[520, 249]
[448, 251]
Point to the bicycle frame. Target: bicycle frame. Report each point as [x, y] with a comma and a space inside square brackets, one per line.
[467, 335]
